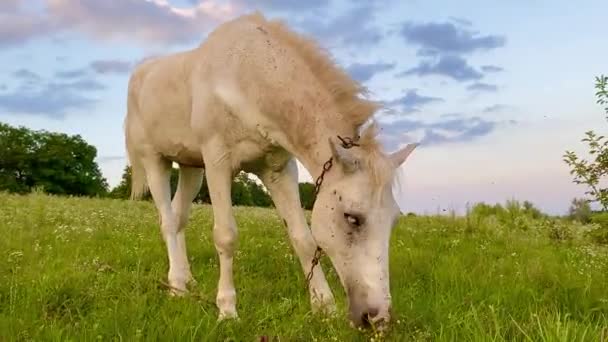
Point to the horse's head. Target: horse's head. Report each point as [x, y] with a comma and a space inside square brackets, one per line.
[352, 220]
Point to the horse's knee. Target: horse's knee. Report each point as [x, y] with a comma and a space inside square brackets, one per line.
[169, 224]
[182, 219]
[301, 239]
[225, 237]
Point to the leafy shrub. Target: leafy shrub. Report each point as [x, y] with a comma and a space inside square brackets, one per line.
[514, 214]
[600, 219]
[599, 234]
[483, 210]
[558, 230]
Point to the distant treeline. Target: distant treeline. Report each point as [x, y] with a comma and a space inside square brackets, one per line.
[245, 191]
[62, 164]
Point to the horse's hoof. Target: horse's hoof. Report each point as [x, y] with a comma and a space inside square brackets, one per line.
[227, 315]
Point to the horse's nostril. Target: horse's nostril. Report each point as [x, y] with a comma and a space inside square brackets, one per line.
[368, 317]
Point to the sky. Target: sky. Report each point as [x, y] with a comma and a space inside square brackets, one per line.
[495, 92]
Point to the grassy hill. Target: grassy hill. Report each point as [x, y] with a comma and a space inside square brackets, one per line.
[89, 269]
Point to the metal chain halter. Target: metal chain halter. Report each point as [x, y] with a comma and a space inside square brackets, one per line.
[347, 143]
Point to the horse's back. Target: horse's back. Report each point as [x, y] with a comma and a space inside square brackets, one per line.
[159, 109]
[164, 90]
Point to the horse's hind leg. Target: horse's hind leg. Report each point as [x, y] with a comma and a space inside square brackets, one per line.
[188, 186]
[158, 173]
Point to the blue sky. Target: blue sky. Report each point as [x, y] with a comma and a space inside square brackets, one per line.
[494, 91]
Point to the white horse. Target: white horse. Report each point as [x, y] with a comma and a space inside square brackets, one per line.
[254, 96]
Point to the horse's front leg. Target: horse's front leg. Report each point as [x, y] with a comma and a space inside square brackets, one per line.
[283, 188]
[219, 179]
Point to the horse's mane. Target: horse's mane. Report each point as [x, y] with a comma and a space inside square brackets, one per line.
[345, 90]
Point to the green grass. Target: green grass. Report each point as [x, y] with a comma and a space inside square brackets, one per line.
[91, 269]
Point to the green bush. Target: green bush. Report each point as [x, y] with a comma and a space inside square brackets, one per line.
[600, 219]
[559, 231]
[599, 234]
[513, 214]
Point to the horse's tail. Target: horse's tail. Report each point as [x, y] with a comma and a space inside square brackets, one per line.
[138, 177]
[138, 173]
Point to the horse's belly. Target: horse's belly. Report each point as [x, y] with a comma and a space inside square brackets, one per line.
[175, 141]
[247, 150]
[188, 157]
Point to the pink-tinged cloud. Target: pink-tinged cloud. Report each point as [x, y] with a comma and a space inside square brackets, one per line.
[9, 5]
[150, 21]
[144, 21]
[17, 28]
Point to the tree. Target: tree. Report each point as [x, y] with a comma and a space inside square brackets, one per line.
[593, 173]
[529, 209]
[203, 195]
[307, 195]
[259, 195]
[240, 192]
[580, 210]
[58, 163]
[123, 189]
[16, 147]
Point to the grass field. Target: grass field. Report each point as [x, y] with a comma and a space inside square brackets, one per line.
[91, 269]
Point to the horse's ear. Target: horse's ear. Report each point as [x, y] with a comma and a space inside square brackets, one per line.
[400, 156]
[344, 156]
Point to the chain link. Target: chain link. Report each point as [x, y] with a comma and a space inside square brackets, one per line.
[346, 142]
[328, 164]
[315, 261]
[349, 142]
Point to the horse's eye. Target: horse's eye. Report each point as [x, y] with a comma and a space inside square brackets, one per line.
[353, 220]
